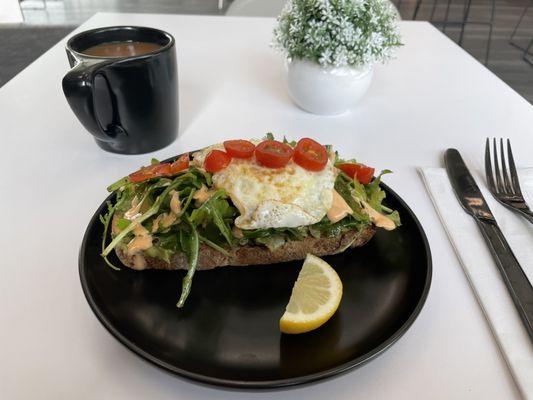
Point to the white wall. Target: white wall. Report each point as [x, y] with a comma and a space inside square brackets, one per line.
[10, 11]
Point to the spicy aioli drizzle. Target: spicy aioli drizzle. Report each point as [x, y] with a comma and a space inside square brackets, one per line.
[141, 241]
[380, 220]
[339, 208]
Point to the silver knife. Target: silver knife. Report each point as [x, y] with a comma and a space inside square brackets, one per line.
[474, 203]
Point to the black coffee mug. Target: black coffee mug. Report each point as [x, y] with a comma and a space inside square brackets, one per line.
[129, 104]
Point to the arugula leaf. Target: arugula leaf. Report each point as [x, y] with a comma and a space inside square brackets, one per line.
[168, 241]
[106, 221]
[375, 198]
[326, 228]
[256, 233]
[123, 223]
[218, 220]
[299, 233]
[339, 160]
[161, 183]
[272, 241]
[314, 231]
[185, 206]
[292, 143]
[215, 246]
[329, 151]
[190, 243]
[160, 252]
[214, 211]
[359, 190]
[118, 184]
[344, 188]
[208, 178]
[374, 193]
[200, 216]
[292, 233]
[201, 177]
[269, 136]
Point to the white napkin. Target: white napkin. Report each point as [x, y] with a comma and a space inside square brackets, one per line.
[481, 270]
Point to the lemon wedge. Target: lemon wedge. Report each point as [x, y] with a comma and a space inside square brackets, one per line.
[315, 297]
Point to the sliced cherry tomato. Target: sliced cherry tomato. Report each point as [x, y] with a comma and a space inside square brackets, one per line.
[362, 172]
[310, 155]
[365, 174]
[153, 171]
[216, 161]
[239, 148]
[273, 154]
[349, 169]
[180, 164]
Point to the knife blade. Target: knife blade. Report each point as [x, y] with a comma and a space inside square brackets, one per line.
[474, 203]
[465, 186]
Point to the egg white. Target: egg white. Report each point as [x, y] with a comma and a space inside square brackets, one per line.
[285, 197]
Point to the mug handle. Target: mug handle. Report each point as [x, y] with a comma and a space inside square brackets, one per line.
[78, 87]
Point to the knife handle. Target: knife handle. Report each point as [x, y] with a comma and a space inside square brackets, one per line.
[512, 273]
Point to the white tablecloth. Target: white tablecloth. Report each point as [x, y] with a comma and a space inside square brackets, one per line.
[432, 96]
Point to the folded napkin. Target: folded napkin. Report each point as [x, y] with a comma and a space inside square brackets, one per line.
[480, 267]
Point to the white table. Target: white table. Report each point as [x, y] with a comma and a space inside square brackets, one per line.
[433, 96]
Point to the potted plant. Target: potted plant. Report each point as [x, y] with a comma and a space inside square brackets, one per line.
[331, 47]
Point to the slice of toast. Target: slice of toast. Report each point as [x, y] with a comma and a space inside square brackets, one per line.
[210, 258]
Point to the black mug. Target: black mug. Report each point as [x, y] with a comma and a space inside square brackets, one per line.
[130, 103]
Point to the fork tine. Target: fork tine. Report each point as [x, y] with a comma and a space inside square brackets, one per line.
[488, 167]
[499, 184]
[506, 180]
[512, 169]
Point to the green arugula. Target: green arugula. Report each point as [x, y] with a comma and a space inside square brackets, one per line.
[150, 212]
[190, 244]
[106, 221]
[211, 222]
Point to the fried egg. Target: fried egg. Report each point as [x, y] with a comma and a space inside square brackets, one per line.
[285, 197]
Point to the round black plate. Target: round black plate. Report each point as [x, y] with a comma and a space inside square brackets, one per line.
[228, 334]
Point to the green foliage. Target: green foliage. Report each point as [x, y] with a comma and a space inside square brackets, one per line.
[338, 33]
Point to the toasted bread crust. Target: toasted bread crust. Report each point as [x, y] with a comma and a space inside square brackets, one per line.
[210, 258]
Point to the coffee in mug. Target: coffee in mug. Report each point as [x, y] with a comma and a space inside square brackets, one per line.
[123, 87]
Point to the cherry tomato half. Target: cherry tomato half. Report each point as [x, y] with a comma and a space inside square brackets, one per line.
[362, 172]
[153, 171]
[273, 154]
[239, 148]
[216, 161]
[180, 164]
[310, 155]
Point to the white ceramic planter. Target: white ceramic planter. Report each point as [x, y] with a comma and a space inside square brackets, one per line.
[326, 91]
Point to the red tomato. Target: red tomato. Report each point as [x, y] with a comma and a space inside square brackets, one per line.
[180, 164]
[362, 172]
[153, 171]
[273, 154]
[216, 160]
[310, 155]
[239, 148]
[348, 168]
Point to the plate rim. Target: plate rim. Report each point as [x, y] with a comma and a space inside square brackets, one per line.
[262, 384]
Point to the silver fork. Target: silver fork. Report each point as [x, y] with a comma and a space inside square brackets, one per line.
[504, 187]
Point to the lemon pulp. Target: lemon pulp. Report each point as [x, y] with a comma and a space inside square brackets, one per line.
[315, 297]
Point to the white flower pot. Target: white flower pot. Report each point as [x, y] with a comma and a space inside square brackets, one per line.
[326, 91]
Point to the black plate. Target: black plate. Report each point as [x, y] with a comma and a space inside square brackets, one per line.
[228, 332]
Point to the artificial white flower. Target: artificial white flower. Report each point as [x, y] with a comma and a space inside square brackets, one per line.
[338, 32]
